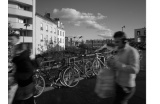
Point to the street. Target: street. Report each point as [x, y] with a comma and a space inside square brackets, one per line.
[83, 93]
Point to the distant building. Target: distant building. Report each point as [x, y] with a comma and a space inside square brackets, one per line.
[61, 37]
[21, 16]
[66, 41]
[140, 35]
[98, 43]
[72, 42]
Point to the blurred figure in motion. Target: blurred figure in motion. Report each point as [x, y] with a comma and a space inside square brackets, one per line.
[23, 71]
[126, 65]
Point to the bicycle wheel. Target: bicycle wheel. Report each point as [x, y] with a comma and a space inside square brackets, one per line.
[88, 68]
[71, 77]
[39, 83]
[96, 66]
[61, 77]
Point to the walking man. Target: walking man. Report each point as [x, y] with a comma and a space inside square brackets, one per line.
[126, 65]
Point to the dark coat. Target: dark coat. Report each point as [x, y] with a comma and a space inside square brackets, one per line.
[24, 66]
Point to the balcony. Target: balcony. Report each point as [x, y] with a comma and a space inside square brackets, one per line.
[26, 39]
[29, 2]
[16, 25]
[19, 12]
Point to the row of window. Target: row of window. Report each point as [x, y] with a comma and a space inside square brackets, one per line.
[58, 32]
[139, 33]
[22, 20]
[41, 28]
[22, 7]
[59, 40]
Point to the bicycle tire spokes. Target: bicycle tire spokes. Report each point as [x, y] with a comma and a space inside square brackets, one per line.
[88, 69]
[71, 77]
[96, 67]
[39, 85]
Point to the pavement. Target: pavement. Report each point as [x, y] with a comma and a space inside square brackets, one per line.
[84, 93]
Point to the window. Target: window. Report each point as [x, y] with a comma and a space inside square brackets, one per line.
[20, 7]
[25, 21]
[41, 38]
[41, 26]
[57, 40]
[26, 8]
[138, 33]
[57, 32]
[139, 39]
[145, 32]
[60, 40]
[20, 20]
[47, 28]
[51, 29]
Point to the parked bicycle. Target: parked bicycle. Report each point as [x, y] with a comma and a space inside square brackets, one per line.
[98, 63]
[71, 74]
[50, 74]
[39, 83]
[84, 66]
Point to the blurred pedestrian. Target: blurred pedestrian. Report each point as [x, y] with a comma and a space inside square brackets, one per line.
[23, 71]
[126, 65]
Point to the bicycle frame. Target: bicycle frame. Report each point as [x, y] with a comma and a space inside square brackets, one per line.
[53, 79]
[99, 62]
[97, 58]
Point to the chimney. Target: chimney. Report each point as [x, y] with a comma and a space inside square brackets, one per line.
[56, 19]
[47, 15]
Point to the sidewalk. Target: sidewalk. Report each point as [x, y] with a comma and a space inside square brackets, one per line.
[84, 93]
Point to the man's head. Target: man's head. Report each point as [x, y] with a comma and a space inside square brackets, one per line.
[120, 39]
[14, 38]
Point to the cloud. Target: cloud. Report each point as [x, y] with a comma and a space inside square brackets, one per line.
[108, 33]
[78, 18]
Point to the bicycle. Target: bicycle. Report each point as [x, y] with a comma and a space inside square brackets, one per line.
[84, 66]
[71, 74]
[39, 83]
[43, 76]
[52, 73]
[98, 63]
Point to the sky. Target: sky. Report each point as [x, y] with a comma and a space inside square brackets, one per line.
[96, 19]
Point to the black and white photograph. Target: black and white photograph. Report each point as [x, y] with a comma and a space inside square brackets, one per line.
[78, 52]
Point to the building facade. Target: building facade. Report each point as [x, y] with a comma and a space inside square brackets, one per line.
[49, 33]
[21, 16]
[36, 31]
[140, 35]
[61, 38]
[46, 33]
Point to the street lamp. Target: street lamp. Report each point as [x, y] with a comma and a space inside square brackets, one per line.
[123, 27]
[78, 39]
[74, 41]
